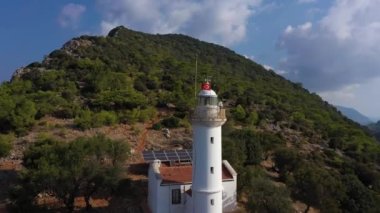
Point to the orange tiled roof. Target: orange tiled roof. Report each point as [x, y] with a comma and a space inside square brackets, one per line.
[183, 174]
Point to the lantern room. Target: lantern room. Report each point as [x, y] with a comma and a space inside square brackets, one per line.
[207, 97]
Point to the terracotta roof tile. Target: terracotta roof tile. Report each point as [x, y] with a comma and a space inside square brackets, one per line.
[183, 174]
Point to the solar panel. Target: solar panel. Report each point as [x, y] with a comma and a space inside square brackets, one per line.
[168, 155]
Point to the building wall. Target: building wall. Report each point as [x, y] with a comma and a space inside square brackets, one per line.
[164, 204]
[160, 196]
[229, 196]
[230, 190]
[166, 198]
[153, 186]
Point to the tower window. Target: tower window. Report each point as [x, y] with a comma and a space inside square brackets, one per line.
[212, 140]
[212, 170]
[207, 101]
[212, 202]
[176, 196]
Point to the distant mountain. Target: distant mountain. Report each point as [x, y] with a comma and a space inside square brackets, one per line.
[354, 115]
[375, 129]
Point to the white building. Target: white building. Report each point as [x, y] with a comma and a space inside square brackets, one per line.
[200, 184]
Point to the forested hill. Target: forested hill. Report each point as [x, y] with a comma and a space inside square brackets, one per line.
[375, 128]
[324, 159]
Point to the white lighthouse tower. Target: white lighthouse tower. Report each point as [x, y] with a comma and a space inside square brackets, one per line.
[207, 121]
[203, 183]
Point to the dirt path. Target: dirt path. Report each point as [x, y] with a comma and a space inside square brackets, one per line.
[141, 143]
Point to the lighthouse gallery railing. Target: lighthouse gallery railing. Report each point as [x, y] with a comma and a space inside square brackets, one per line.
[209, 114]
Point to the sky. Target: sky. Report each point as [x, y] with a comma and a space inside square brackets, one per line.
[332, 47]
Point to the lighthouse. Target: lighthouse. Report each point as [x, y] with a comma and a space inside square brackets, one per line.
[207, 121]
[197, 180]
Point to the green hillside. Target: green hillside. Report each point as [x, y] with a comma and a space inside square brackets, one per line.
[375, 129]
[325, 160]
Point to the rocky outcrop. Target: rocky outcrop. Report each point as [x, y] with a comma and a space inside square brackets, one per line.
[20, 72]
[24, 70]
[73, 45]
[69, 47]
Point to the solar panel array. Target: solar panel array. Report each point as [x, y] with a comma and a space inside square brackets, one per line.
[168, 155]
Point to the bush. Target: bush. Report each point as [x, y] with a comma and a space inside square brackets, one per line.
[239, 113]
[17, 113]
[88, 119]
[139, 85]
[171, 122]
[119, 100]
[137, 114]
[104, 118]
[359, 198]
[23, 116]
[147, 114]
[5, 144]
[84, 120]
[266, 197]
[253, 118]
[157, 126]
[67, 111]
[287, 160]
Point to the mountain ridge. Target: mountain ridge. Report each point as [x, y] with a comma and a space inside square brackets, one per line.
[354, 115]
[130, 77]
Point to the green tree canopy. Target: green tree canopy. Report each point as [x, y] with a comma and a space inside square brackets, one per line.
[266, 197]
[82, 167]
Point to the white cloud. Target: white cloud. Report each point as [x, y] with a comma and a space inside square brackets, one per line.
[70, 15]
[267, 67]
[345, 95]
[221, 21]
[280, 72]
[250, 57]
[363, 97]
[341, 49]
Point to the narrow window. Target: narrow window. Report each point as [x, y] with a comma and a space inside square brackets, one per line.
[176, 196]
[212, 202]
[212, 170]
[212, 140]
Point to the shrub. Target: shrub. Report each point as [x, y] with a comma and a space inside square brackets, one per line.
[67, 111]
[171, 122]
[287, 160]
[157, 126]
[137, 114]
[118, 100]
[139, 85]
[88, 119]
[239, 113]
[253, 118]
[84, 120]
[104, 118]
[5, 144]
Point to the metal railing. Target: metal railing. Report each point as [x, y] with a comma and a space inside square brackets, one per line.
[206, 113]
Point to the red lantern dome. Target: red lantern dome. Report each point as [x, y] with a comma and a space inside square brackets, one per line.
[206, 86]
